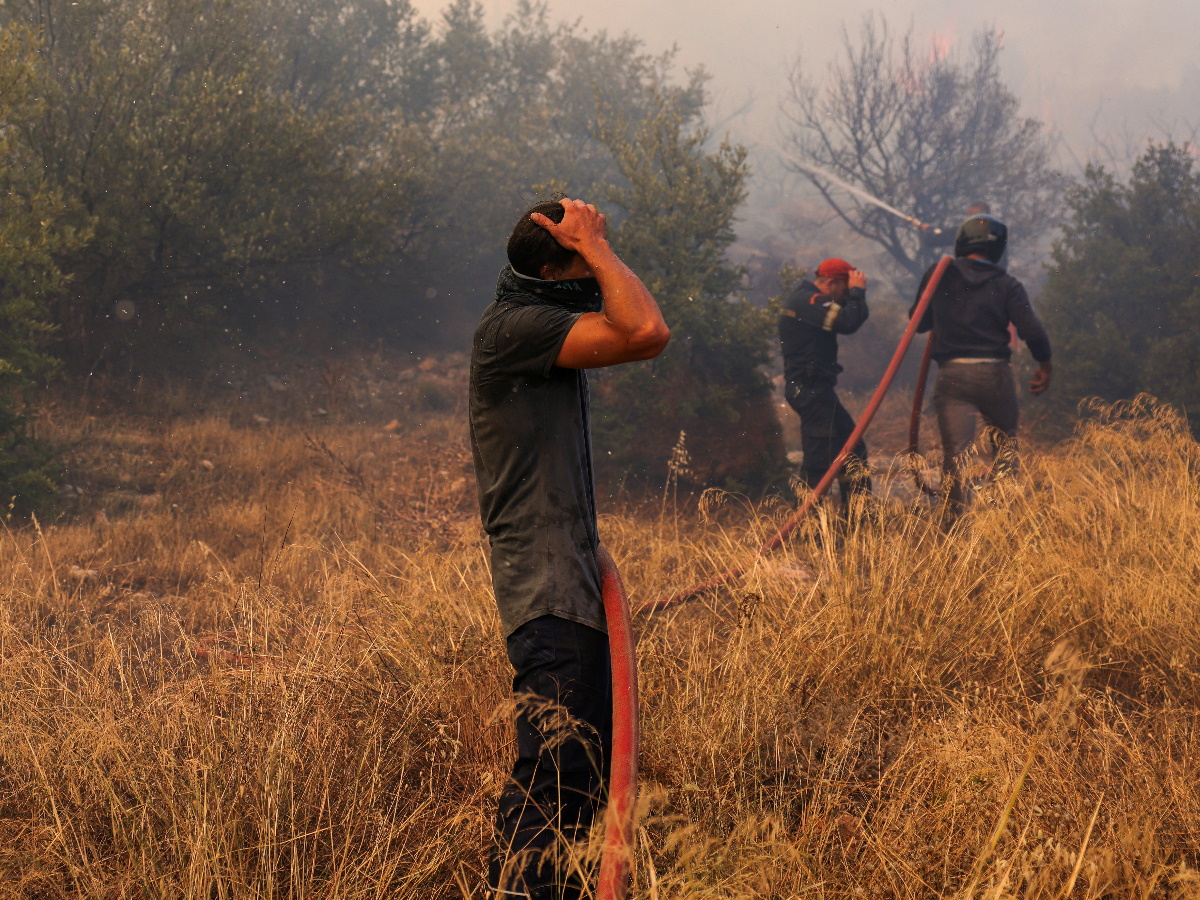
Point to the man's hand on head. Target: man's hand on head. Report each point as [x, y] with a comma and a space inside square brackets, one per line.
[857, 279]
[631, 326]
[581, 228]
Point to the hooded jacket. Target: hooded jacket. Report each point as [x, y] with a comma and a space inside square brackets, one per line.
[971, 311]
[809, 324]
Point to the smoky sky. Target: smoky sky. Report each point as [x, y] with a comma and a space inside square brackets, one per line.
[1119, 70]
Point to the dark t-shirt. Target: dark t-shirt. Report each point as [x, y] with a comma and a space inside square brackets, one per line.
[531, 437]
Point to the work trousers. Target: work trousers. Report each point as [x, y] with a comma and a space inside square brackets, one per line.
[825, 426]
[962, 391]
[563, 687]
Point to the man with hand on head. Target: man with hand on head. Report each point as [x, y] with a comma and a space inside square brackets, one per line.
[813, 315]
[565, 303]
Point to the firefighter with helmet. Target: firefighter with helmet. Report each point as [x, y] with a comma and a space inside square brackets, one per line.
[970, 314]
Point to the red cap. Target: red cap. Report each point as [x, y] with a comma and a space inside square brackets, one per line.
[834, 268]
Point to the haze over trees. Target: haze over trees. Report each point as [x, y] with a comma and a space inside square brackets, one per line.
[700, 413]
[232, 158]
[180, 175]
[33, 236]
[240, 170]
[924, 129]
[1123, 298]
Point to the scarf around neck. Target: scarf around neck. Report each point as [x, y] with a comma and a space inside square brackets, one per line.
[574, 294]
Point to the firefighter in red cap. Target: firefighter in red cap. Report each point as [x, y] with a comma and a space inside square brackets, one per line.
[834, 302]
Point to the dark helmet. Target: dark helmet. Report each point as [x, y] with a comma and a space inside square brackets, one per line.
[982, 234]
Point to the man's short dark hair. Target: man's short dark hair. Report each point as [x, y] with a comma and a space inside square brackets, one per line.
[530, 246]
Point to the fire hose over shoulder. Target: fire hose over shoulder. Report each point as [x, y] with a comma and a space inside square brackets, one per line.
[622, 789]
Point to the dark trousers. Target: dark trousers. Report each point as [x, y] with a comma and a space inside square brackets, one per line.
[825, 426]
[962, 391]
[563, 687]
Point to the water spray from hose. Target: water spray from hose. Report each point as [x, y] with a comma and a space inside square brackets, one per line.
[850, 188]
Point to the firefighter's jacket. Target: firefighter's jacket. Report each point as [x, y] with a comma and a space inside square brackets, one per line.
[809, 324]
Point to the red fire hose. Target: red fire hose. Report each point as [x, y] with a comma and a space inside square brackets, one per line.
[834, 470]
[623, 767]
[622, 789]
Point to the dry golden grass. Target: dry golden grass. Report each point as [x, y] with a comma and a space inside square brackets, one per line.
[880, 710]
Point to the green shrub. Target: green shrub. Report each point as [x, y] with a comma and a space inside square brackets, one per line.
[32, 238]
[677, 209]
[1122, 303]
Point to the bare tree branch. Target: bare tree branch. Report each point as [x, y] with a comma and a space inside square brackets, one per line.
[927, 133]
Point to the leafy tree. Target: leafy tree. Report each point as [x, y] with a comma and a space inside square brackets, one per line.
[241, 161]
[203, 165]
[677, 205]
[925, 133]
[1122, 302]
[32, 237]
[513, 113]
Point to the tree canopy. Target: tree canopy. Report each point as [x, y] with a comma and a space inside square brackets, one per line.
[34, 234]
[235, 160]
[1123, 297]
[218, 166]
[676, 202]
[926, 132]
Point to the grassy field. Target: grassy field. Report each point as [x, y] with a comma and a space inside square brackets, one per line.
[258, 658]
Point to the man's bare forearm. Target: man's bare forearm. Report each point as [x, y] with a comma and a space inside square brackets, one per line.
[631, 327]
[628, 305]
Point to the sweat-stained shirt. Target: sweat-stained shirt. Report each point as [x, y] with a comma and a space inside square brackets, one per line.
[531, 438]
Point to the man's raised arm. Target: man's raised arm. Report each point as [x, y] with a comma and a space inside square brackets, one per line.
[630, 327]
